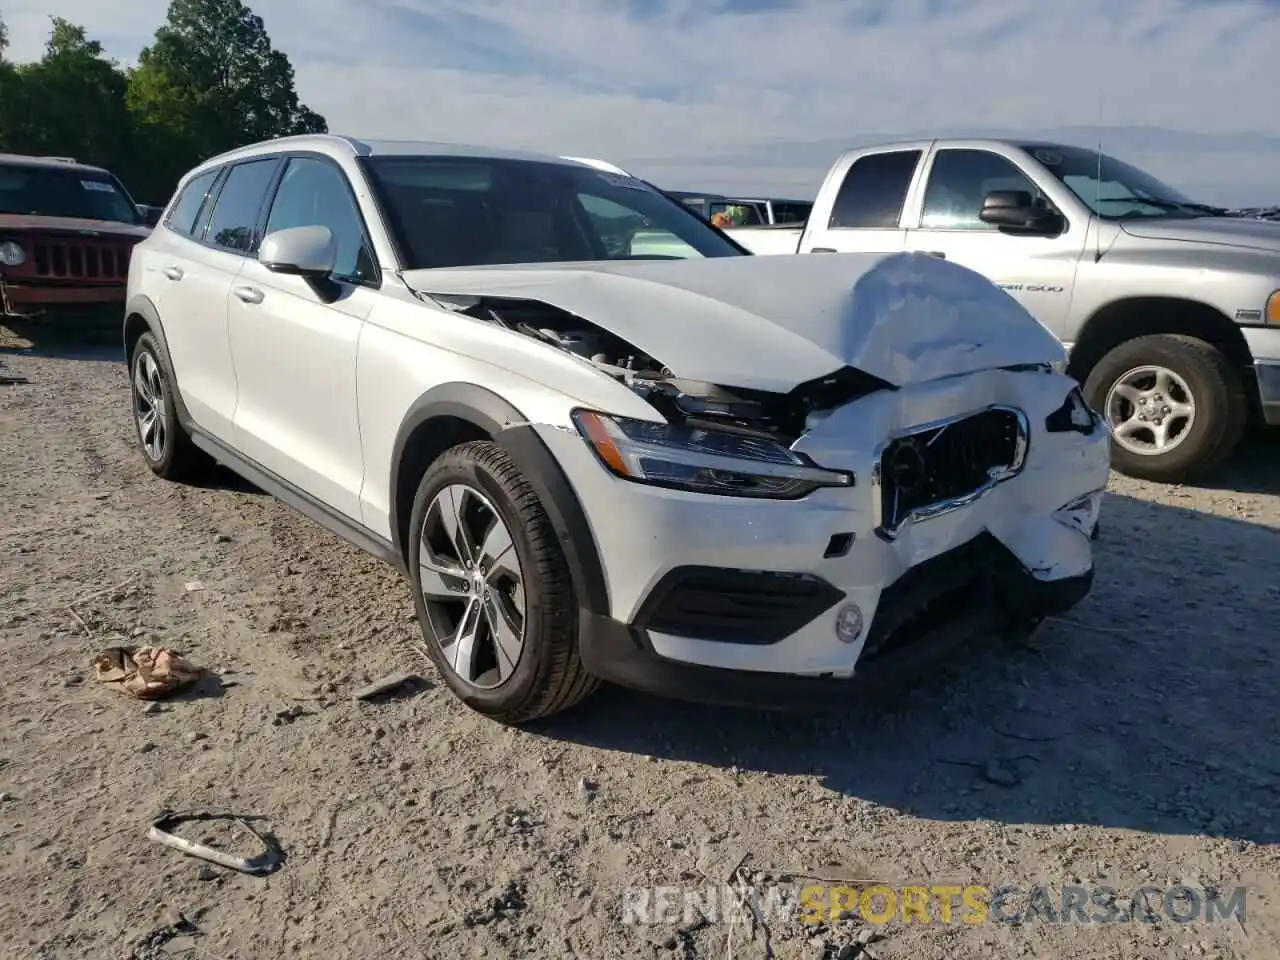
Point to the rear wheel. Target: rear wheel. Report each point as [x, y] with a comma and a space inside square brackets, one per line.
[492, 588]
[165, 445]
[1175, 405]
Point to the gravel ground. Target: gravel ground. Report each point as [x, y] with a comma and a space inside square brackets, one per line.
[1135, 744]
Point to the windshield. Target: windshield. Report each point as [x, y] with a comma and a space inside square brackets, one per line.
[473, 211]
[52, 192]
[1122, 191]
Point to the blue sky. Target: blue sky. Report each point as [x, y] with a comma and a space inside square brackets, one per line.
[760, 95]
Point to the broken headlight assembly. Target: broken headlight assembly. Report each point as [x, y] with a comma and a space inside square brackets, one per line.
[1075, 414]
[702, 460]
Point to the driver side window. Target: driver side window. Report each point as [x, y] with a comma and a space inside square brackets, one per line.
[960, 180]
[625, 233]
[315, 193]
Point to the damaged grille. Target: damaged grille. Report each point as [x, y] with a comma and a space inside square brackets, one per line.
[81, 261]
[945, 465]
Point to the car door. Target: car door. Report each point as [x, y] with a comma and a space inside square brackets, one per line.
[866, 214]
[1039, 271]
[295, 350]
[192, 279]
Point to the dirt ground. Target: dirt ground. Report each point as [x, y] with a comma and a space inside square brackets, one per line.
[1136, 745]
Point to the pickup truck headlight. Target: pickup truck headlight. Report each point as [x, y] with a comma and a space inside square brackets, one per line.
[1272, 313]
[700, 460]
[11, 255]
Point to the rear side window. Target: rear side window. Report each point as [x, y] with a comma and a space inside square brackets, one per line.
[875, 190]
[235, 218]
[182, 219]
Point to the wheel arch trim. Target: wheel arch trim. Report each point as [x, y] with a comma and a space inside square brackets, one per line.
[512, 431]
[141, 306]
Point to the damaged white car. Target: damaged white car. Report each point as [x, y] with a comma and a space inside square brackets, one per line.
[698, 473]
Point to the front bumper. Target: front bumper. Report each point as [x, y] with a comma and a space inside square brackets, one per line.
[1264, 345]
[707, 592]
[32, 298]
[624, 654]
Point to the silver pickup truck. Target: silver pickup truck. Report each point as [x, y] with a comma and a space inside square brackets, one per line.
[1170, 309]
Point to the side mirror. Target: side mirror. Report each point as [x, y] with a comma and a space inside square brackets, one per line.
[150, 215]
[1017, 211]
[307, 252]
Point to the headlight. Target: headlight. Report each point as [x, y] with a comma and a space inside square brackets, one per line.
[701, 460]
[11, 255]
[1272, 313]
[1074, 414]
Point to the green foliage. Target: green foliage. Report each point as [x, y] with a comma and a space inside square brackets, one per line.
[209, 82]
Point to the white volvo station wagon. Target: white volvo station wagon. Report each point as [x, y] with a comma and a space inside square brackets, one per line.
[694, 472]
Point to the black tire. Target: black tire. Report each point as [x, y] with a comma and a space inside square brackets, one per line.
[549, 676]
[1221, 404]
[178, 458]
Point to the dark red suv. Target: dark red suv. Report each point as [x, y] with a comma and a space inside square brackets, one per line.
[66, 232]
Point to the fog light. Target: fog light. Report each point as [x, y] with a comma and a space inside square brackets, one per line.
[849, 623]
[1082, 513]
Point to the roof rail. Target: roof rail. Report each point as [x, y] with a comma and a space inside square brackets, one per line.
[62, 159]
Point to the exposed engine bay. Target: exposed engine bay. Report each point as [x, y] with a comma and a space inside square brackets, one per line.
[782, 416]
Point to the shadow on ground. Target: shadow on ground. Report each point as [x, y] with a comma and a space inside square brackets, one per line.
[1253, 468]
[1150, 708]
[67, 340]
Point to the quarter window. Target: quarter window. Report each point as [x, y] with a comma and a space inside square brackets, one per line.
[235, 218]
[958, 183]
[316, 193]
[875, 190]
[182, 219]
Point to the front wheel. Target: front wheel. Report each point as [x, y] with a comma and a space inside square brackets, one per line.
[1175, 405]
[492, 588]
[165, 445]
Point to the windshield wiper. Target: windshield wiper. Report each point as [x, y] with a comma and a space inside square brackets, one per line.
[1202, 208]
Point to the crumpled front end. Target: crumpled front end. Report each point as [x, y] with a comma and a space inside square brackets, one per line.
[971, 510]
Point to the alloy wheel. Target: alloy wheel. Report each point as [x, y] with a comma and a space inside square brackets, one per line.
[149, 405]
[472, 585]
[1150, 409]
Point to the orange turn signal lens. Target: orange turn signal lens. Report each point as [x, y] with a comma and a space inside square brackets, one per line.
[1272, 313]
[601, 438]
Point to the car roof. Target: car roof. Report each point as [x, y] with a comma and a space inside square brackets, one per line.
[338, 146]
[48, 163]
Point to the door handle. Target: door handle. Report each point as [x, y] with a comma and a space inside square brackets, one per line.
[935, 253]
[823, 250]
[173, 273]
[249, 294]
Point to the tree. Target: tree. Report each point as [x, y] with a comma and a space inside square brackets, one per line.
[213, 74]
[80, 96]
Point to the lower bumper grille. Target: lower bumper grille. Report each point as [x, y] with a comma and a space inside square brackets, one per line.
[941, 466]
[735, 606]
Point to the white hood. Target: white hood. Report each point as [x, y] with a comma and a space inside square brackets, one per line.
[772, 323]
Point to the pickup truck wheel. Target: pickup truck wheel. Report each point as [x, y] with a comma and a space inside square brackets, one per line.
[165, 445]
[492, 588]
[1175, 405]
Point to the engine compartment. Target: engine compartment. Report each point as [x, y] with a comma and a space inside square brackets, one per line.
[783, 417]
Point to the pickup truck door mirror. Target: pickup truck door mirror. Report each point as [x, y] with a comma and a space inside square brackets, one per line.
[150, 215]
[1018, 212]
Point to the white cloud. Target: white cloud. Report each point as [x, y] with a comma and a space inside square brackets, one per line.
[671, 90]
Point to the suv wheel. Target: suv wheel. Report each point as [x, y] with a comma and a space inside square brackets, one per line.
[1175, 405]
[492, 588]
[165, 445]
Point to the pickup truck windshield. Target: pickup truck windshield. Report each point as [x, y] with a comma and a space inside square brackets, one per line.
[52, 192]
[1122, 192]
[473, 211]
